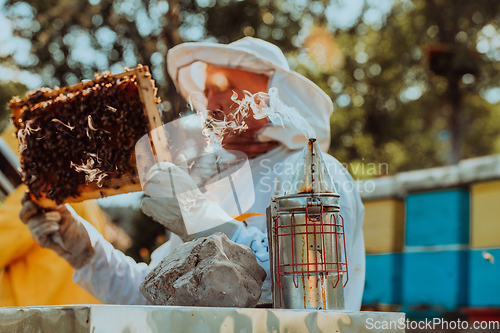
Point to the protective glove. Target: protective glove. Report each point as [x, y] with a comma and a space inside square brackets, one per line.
[173, 200]
[60, 229]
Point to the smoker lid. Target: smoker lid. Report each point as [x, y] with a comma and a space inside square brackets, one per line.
[310, 174]
[329, 201]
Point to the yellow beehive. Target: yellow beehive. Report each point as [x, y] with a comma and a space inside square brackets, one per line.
[383, 225]
[485, 219]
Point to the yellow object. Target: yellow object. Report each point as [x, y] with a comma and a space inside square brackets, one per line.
[8, 135]
[485, 210]
[31, 275]
[383, 225]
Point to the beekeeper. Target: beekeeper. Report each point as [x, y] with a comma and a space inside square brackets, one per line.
[215, 72]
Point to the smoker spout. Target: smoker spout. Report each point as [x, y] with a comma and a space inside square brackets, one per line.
[310, 173]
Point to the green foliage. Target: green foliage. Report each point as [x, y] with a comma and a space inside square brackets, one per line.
[146, 233]
[390, 107]
[411, 93]
[7, 91]
[70, 41]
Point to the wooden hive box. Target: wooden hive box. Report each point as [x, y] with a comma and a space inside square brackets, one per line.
[79, 142]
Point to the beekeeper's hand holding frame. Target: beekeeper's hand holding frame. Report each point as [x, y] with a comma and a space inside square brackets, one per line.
[59, 229]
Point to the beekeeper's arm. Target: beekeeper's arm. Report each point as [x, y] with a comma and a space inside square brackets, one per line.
[173, 199]
[104, 272]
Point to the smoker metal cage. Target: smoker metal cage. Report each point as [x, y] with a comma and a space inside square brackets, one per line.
[336, 230]
[308, 259]
[307, 238]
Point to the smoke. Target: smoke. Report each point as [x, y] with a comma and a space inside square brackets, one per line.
[92, 173]
[23, 133]
[60, 122]
[92, 127]
[271, 106]
[213, 129]
[260, 105]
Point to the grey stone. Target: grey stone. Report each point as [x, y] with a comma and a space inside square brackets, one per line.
[209, 271]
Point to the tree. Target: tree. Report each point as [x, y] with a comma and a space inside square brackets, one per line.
[411, 93]
[7, 90]
[69, 41]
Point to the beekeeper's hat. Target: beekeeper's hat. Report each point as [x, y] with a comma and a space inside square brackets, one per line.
[186, 65]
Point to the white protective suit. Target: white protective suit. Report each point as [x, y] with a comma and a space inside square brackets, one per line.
[114, 278]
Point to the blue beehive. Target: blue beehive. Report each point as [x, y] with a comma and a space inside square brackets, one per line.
[437, 279]
[484, 280]
[437, 218]
[383, 279]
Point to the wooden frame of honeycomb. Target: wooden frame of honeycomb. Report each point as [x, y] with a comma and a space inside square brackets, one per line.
[45, 103]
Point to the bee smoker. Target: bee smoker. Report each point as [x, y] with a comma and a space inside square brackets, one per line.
[306, 237]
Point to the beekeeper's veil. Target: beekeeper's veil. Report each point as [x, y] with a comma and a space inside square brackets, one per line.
[187, 68]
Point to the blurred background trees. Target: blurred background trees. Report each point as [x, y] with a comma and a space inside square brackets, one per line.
[415, 83]
[419, 88]
[7, 90]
